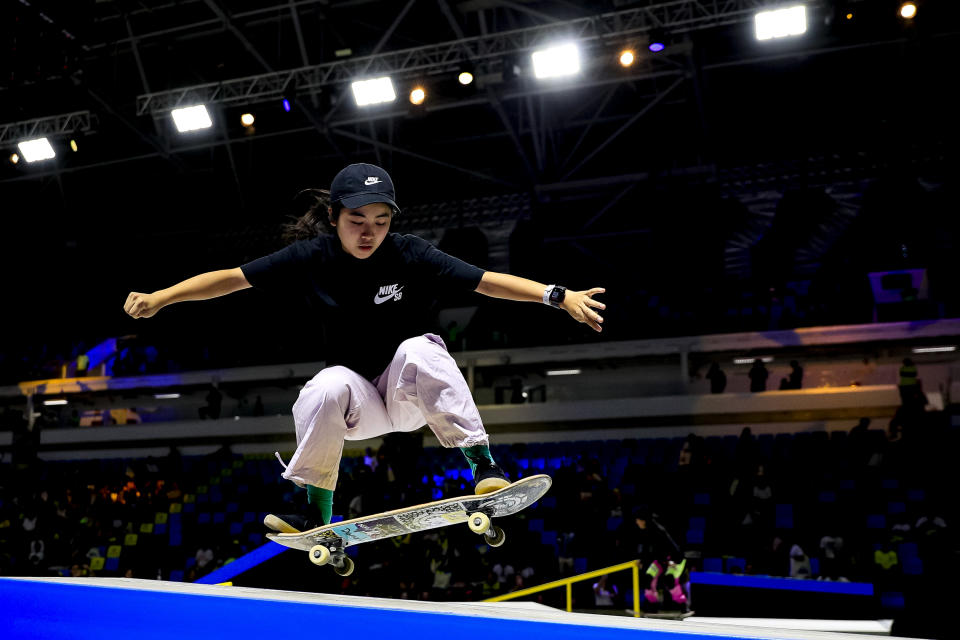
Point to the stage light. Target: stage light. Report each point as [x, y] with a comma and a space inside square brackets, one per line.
[781, 23]
[562, 60]
[191, 118]
[36, 150]
[166, 396]
[849, 16]
[627, 57]
[54, 403]
[73, 146]
[465, 78]
[764, 359]
[563, 372]
[418, 95]
[247, 119]
[948, 349]
[908, 10]
[656, 47]
[286, 105]
[376, 91]
[14, 158]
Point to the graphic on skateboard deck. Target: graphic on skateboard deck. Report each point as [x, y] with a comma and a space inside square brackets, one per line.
[326, 544]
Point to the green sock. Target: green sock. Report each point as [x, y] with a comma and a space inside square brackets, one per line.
[475, 455]
[323, 498]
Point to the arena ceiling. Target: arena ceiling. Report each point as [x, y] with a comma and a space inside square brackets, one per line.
[721, 156]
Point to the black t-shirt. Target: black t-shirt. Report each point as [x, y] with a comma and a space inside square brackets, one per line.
[369, 306]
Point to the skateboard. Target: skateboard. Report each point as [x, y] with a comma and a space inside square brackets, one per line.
[327, 544]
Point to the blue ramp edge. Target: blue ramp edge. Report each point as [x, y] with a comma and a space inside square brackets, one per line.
[228, 572]
[785, 584]
[43, 610]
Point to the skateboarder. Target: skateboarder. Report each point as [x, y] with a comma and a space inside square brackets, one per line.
[385, 372]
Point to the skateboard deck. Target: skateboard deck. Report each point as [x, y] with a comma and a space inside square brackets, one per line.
[475, 510]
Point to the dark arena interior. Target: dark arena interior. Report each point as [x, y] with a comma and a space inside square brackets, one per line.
[755, 195]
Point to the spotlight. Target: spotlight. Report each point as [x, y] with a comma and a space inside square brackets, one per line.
[908, 10]
[376, 91]
[35, 150]
[14, 158]
[286, 105]
[247, 119]
[418, 95]
[191, 118]
[73, 146]
[781, 23]
[465, 78]
[656, 47]
[849, 16]
[627, 57]
[562, 60]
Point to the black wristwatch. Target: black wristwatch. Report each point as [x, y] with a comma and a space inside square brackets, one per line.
[557, 294]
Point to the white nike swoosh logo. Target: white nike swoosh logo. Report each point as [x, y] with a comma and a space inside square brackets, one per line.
[370, 181]
[378, 299]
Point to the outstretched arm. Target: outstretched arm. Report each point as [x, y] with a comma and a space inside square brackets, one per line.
[208, 285]
[579, 304]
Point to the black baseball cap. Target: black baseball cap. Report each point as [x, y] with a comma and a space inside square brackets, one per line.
[360, 184]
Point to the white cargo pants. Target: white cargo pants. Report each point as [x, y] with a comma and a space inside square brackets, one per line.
[421, 385]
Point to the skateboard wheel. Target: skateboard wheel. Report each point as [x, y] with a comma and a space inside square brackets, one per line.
[346, 568]
[319, 555]
[479, 522]
[497, 538]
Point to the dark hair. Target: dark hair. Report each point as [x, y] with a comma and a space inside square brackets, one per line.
[315, 221]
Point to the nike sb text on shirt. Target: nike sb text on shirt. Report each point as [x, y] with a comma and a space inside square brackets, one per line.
[386, 293]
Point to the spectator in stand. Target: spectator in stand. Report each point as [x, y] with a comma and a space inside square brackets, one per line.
[603, 595]
[214, 404]
[717, 378]
[758, 376]
[796, 375]
[909, 384]
[83, 362]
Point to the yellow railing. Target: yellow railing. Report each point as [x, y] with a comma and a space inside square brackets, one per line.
[633, 566]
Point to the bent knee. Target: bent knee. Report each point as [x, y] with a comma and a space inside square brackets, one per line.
[330, 385]
[429, 343]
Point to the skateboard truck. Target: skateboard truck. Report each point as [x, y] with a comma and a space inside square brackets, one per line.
[334, 555]
[480, 524]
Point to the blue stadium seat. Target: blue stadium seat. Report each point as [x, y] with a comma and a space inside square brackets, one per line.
[698, 523]
[916, 495]
[876, 521]
[614, 523]
[713, 565]
[695, 536]
[912, 566]
[892, 600]
[895, 508]
[784, 516]
[734, 564]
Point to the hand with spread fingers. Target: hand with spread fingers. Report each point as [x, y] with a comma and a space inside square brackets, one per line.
[582, 306]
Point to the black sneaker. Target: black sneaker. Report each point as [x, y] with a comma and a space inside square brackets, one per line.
[290, 523]
[488, 478]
